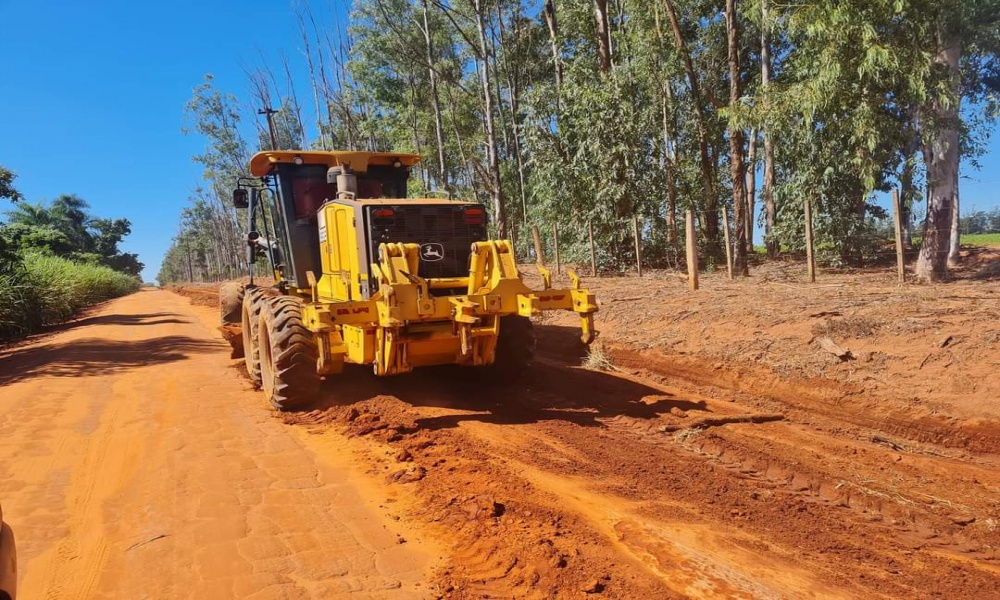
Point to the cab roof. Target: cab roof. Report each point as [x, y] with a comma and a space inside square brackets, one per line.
[263, 163]
[407, 201]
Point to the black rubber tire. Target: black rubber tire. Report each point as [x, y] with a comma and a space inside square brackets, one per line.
[231, 303]
[515, 350]
[252, 302]
[288, 354]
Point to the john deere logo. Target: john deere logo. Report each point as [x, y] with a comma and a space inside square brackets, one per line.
[431, 252]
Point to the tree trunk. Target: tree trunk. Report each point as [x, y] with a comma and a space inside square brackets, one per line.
[737, 170]
[941, 157]
[908, 189]
[710, 213]
[424, 183]
[670, 166]
[432, 74]
[499, 212]
[514, 89]
[751, 188]
[770, 210]
[954, 258]
[313, 80]
[603, 35]
[550, 20]
[187, 250]
[461, 147]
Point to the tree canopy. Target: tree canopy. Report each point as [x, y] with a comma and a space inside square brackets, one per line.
[65, 227]
[591, 112]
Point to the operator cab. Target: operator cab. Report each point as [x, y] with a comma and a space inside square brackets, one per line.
[299, 184]
[374, 186]
[310, 185]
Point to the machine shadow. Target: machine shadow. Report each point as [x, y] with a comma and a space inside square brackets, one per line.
[94, 356]
[160, 318]
[554, 389]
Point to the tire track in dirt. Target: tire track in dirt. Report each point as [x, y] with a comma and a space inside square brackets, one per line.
[846, 404]
[646, 504]
[106, 464]
[573, 481]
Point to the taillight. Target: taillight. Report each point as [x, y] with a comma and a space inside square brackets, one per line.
[474, 215]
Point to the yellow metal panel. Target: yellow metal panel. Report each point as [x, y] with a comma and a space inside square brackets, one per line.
[360, 343]
[347, 249]
[339, 252]
[333, 284]
[431, 344]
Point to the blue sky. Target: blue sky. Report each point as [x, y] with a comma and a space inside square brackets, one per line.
[93, 96]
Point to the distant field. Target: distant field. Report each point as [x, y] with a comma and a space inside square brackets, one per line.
[981, 239]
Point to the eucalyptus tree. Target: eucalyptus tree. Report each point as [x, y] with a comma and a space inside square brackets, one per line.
[962, 38]
[871, 76]
[736, 138]
[599, 111]
[492, 151]
[217, 117]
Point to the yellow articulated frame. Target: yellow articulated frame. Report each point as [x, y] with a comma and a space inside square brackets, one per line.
[404, 325]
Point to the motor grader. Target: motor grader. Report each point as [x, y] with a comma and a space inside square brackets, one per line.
[362, 274]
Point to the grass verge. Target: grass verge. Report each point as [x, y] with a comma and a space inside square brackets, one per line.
[980, 239]
[39, 290]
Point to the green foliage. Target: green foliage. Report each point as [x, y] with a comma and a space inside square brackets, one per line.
[44, 238]
[65, 228]
[56, 259]
[7, 189]
[847, 110]
[981, 221]
[38, 289]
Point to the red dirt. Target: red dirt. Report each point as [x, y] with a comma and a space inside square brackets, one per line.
[724, 454]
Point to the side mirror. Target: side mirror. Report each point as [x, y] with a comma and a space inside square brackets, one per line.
[240, 199]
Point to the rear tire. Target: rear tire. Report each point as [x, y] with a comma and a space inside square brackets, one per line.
[515, 349]
[288, 354]
[252, 302]
[231, 303]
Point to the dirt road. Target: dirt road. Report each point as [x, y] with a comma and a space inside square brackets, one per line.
[135, 462]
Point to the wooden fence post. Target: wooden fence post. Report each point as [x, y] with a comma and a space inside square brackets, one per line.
[638, 245]
[810, 259]
[555, 242]
[593, 251]
[898, 223]
[691, 246]
[539, 257]
[729, 246]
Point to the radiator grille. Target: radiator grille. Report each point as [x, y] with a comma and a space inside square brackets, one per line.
[441, 231]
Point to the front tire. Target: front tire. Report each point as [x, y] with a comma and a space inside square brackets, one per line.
[288, 354]
[252, 303]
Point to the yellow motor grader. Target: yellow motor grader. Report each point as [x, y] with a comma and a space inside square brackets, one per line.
[365, 275]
